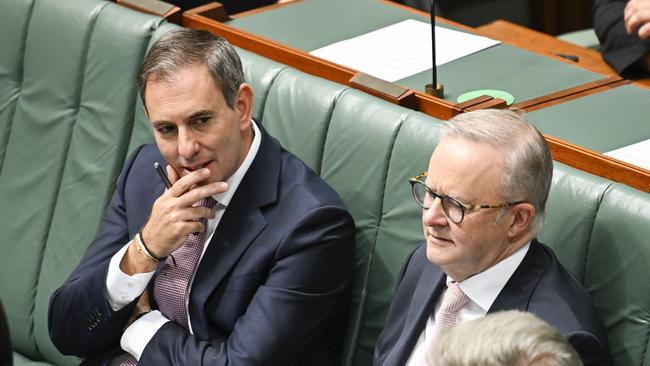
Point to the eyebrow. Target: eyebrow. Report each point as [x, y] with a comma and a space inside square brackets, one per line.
[193, 116]
[199, 113]
[454, 196]
[161, 123]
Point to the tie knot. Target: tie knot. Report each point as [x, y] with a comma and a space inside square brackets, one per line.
[452, 302]
[454, 299]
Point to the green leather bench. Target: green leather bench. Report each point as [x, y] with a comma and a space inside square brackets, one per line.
[70, 114]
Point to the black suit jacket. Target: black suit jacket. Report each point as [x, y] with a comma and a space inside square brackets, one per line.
[540, 285]
[619, 49]
[268, 291]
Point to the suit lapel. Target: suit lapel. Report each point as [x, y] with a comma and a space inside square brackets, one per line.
[241, 223]
[518, 290]
[239, 226]
[428, 289]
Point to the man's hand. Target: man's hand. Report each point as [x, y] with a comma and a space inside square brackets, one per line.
[637, 17]
[172, 219]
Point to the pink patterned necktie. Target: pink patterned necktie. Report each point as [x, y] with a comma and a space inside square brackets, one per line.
[452, 302]
[171, 285]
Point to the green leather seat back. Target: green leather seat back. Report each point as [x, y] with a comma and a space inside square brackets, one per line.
[20, 360]
[13, 30]
[570, 212]
[356, 159]
[98, 145]
[298, 112]
[69, 99]
[260, 73]
[36, 151]
[618, 274]
[141, 132]
[400, 228]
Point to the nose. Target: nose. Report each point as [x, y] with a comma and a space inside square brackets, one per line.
[434, 215]
[188, 145]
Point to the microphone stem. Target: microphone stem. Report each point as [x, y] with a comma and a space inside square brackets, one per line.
[434, 76]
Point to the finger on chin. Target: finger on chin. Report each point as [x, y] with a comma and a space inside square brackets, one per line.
[172, 174]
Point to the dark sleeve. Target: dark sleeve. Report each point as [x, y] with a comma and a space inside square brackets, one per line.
[5, 341]
[80, 319]
[306, 285]
[620, 50]
[591, 350]
[402, 295]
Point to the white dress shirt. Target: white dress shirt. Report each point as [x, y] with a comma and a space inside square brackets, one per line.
[122, 289]
[482, 289]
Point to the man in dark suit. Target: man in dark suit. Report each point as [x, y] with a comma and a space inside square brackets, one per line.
[256, 274]
[623, 28]
[483, 201]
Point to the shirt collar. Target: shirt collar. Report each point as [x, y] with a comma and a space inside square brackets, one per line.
[483, 288]
[235, 179]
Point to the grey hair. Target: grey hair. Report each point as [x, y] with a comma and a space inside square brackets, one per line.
[507, 338]
[528, 162]
[182, 48]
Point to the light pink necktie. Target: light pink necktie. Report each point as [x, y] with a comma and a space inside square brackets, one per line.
[171, 286]
[452, 302]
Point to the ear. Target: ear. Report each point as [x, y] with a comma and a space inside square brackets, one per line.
[520, 219]
[244, 105]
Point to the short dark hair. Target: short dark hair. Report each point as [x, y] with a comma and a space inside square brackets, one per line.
[181, 48]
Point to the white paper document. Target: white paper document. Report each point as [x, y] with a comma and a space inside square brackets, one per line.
[637, 154]
[402, 49]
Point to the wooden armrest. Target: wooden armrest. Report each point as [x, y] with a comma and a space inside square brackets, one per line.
[214, 10]
[156, 7]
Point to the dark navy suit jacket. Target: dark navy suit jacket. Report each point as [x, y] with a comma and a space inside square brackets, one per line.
[269, 290]
[539, 285]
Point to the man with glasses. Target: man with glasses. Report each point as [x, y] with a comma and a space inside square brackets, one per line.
[482, 202]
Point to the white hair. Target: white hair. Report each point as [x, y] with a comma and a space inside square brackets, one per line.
[528, 162]
[507, 338]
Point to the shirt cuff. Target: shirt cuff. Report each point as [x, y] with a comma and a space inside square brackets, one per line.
[122, 289]
[136, 337]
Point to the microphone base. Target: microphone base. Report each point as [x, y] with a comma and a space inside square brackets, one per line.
[438, 91]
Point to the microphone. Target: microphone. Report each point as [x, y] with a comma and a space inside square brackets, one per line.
[434, 89]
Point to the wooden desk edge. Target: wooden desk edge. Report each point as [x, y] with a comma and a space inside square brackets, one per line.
[563, 151]
[173, 14]
[310, 64]
[566, 95]
[599, 164]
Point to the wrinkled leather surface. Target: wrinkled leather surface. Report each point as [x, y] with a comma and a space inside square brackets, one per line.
[292, 98]
[68, 100]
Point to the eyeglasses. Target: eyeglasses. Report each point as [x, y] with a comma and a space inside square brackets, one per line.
[453, 209]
